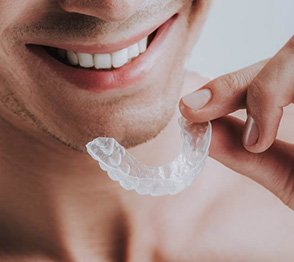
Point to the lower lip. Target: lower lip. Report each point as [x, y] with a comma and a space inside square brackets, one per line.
[120, 78]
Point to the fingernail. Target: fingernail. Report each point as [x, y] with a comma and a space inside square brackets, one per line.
[251, 132]
[197, 99]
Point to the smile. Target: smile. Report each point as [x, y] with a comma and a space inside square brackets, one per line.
[100, 61]
[105, 67]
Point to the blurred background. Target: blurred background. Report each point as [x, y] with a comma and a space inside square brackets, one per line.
[240, 33]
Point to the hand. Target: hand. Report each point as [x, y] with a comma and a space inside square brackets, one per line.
[263, 89]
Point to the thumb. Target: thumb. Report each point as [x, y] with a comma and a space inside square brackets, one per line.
[220, 96]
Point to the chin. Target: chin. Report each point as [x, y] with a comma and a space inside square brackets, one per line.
[130, 130]
[131, 138]
[131, 120]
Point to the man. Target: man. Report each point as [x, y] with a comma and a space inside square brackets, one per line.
[73, 70]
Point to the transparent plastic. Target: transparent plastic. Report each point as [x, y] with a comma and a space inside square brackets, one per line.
[171, 178]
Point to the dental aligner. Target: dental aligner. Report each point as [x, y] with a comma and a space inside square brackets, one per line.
[171, 178]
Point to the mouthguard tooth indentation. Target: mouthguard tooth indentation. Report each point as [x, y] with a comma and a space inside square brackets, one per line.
[172, 178]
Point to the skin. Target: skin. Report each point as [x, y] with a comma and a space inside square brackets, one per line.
[254, 88]
[56, 205]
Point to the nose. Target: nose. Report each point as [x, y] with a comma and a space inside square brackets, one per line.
[107, 10]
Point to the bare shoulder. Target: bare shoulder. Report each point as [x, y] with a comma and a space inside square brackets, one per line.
[225, 217]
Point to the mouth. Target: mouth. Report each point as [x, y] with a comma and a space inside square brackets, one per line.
[105, 67]
[101, 61]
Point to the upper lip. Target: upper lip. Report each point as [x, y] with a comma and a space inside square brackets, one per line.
[101, 48]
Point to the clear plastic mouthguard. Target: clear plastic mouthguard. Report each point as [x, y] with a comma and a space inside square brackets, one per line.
[171, 178]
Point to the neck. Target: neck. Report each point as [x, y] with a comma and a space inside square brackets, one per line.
[51, 198]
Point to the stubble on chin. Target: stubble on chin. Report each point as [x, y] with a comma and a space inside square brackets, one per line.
[138, 131]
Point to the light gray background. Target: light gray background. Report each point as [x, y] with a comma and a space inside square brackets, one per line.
[241, 32]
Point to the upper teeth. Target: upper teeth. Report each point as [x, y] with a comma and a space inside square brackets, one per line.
[107, 61]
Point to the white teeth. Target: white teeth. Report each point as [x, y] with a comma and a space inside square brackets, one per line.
[143, 45]
[133, 51]
[119, 58]
[86, 60]
[102, 61]
[106, 61]
[72, 57]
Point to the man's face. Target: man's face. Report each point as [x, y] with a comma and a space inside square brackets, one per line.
[131, 100]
